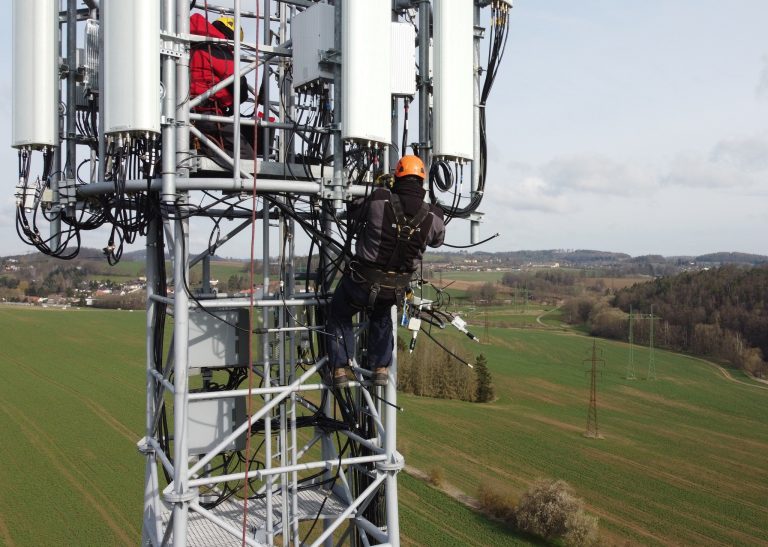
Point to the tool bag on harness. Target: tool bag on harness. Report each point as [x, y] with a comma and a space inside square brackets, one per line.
[394, 275]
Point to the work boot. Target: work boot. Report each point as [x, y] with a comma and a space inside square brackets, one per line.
[340, 379]
[380, 376]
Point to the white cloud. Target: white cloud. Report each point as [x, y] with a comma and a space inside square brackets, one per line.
[737, 163]
[555, 186]
[598, 175]
[529, 194]
[748, 154]
[762, 84]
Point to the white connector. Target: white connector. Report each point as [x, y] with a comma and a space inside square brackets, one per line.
[421, 303]
[459, 323]
[47, 198]
[414, 324]
[461, 326]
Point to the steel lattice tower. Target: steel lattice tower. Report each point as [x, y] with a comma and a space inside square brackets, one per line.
[651, 358]
[631, 362]
[326, 457]
[592, 430]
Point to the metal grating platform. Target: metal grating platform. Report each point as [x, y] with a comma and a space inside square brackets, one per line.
[202, 532]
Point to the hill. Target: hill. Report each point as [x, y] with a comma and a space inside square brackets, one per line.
[720, 312]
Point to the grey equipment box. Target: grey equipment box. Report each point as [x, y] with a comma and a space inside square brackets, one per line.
[212, 420]
[218, 338]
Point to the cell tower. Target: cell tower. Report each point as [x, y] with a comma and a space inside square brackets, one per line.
[244, 444]
[592, 428]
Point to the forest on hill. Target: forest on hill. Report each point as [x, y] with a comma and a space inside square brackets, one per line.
[720, 313]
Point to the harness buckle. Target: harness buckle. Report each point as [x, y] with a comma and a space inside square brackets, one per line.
[373, 294]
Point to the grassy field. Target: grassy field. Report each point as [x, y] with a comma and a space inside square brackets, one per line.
[682, 461]
[476, 277]
[71, 408]
[132, 269]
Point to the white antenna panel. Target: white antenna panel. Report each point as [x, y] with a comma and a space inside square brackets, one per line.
[131, 66]
[453, 79]
[35, 73]
[365, 70]
[403, 59]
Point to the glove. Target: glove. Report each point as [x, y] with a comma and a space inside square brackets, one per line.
[384, 180]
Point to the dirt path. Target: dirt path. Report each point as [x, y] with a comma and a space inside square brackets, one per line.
[542, 323]
[727, 374]
[446, 488]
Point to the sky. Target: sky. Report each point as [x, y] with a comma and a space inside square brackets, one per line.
[637, 127]
[627, 126]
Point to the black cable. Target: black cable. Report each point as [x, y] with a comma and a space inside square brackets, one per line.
[486, 240]
[449, 352]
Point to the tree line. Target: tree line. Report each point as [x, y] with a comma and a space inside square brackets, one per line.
[431, 372]
[720, 313]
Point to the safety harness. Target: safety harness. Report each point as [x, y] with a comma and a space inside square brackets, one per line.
[390, 277]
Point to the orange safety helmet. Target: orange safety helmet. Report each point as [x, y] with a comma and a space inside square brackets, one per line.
[410, 165]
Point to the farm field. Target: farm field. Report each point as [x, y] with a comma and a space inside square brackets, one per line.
[132, 269]
[682, 460]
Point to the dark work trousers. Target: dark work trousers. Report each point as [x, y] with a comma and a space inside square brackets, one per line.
[223, 134]
[349, 299]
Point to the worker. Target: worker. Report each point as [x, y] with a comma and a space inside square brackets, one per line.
[396, 226]
[209, 64]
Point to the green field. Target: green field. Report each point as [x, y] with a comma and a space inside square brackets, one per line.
[482, 277]
[682, 461]
[132, 269]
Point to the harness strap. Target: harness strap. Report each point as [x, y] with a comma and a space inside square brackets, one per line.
[402, 220]
[374, 292]
[405, 230]
[363, 273]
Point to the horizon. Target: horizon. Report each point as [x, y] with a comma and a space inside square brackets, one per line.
[128, 252]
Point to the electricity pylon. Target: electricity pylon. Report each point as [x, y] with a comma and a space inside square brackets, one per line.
[631, 363]
[651, 372]
[592, 428]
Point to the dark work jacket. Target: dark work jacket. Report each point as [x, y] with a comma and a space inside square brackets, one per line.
[377, 241]
[210, 63]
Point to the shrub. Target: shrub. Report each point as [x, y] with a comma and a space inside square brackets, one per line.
[581, 529]
[550, 510]
[436, 476]
[496, 504]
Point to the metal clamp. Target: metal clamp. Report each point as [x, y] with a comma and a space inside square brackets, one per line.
[171, 52]
[330, 56]
[397, 464]
[144, 447]
[184, 497]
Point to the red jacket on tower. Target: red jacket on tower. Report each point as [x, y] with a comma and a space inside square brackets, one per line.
[210, 63]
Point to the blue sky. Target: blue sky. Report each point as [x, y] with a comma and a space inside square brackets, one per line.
[633, 126]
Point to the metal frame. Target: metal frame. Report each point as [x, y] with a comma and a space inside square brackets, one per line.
[280, 512]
